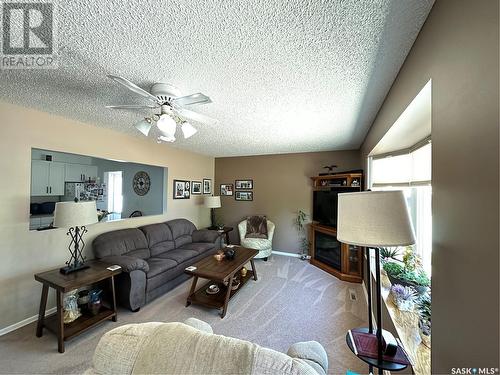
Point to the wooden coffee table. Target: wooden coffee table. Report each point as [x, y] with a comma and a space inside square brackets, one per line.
[219, 272]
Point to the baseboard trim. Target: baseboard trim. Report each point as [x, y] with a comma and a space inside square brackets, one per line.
[286, 254]
[24, 322]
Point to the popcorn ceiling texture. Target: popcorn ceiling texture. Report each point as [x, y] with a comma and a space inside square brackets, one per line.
[284, 76]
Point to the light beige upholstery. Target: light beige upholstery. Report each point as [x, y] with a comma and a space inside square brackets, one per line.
[192, 348]
[264, 245]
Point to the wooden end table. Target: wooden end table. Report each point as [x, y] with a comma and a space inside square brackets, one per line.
[219, 272]
[65, 283]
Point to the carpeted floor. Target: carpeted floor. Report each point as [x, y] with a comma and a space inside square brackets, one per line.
[291, 301]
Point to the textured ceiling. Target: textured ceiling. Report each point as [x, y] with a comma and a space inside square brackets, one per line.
[284, 76]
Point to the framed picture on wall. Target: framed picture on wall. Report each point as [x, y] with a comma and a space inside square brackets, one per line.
[226, 189]
[243, 195]
[243, 184]
[181, 189]
[195, 187]
[207, 186]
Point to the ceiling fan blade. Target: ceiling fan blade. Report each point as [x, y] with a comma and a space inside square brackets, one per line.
[197, 98]
[133, 87]
[132, 106]
[194, 116]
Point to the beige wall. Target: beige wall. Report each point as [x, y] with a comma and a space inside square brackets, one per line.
[458, 48]
[281, 187]
[25, 252]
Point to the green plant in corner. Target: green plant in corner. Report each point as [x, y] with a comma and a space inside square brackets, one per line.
[299, 222]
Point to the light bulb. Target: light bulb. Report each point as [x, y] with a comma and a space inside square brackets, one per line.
[165, 138]
[144, 126]
[188, 130]
[167, 126]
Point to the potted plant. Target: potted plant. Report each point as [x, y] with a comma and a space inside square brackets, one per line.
[400, 274]
[424, 321]
[403, 297]
[299, 222]
[388, 253]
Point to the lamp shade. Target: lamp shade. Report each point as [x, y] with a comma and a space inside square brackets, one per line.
[374, 219]
[72, 214]
[212, 202]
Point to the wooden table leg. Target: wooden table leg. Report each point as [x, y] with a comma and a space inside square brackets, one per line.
[253, 269]
[41, 311]
[113, 299]
[228, 294]
[192, 290]
[60, 322]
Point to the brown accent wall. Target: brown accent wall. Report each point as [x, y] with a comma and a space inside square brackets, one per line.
[281, 187]
[458, 48]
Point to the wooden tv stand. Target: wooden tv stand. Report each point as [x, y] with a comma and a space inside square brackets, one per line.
[341, 260]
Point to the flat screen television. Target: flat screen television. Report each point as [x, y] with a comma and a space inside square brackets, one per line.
[325, 205]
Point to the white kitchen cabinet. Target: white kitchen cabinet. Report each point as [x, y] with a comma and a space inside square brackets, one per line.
[47, 178]
[80, 172]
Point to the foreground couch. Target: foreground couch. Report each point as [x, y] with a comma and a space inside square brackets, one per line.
[192, 348]
[153, 257]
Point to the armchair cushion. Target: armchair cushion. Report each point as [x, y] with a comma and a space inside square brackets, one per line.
[127, 263]
[256, 227]
[312, 352]
[205, 235]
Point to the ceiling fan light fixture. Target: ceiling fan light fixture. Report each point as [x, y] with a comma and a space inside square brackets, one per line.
[167, 126]
[188, 130]
[144, 126]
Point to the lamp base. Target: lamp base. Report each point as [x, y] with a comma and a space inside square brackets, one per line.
[70, 269]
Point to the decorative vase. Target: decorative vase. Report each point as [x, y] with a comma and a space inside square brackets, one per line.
[71, 310]
[243, 272]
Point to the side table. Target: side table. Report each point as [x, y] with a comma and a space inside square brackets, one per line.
[225, 232]
[65, 283]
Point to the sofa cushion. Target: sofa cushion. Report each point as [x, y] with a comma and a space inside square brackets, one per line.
[159, 238]
[131, 242]
[182, 230]
[158, 265]
[179, 255]
[199, 247]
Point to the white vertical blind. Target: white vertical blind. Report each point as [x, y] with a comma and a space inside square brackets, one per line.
[410, 168]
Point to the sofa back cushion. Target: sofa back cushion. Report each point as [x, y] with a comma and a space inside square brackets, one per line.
[159, 238]
[131, 242]
[182, 229]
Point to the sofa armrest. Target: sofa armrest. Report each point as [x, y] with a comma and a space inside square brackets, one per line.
[127, 263]
[312, 352]
[199, 325]
[205, 235]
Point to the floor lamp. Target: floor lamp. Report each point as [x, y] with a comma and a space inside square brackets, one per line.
[374, 219]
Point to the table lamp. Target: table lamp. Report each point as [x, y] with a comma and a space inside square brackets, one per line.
[212, 203]
[75, 216]
[374, 219]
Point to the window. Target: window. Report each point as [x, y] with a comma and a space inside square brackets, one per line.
[115, 195]
[410, 171]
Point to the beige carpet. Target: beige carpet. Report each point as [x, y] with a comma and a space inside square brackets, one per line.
[292, 301]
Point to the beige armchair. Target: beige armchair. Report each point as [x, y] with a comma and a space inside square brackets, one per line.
[264, 245]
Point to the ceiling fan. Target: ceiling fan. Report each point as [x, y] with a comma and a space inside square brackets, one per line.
[171, 103]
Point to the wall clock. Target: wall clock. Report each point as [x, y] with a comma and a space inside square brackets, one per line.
[141, 183]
